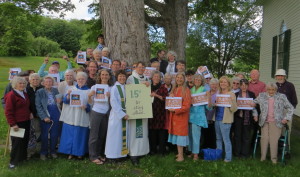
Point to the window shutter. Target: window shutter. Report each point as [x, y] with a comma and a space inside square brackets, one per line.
[274, 54]
[286, 49]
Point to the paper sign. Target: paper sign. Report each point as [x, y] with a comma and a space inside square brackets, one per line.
[76, 99]
[204, 71]
[148, 71]
[223, 100]
[81, 57]
[20, 133]
[56, 79]
[13, 72]
[199, 99]
[100, 92]
[173, 102]
[138, 101]
[106, 62]
[245, 103]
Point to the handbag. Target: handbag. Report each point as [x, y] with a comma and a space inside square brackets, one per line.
[212, 154]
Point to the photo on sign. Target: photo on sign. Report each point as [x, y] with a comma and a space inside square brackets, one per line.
[223, 100]
[173, 102]
[13, 72]
[245, 103]
[100, 93]
[106, 62]
[75, 100]
[199, 99]
[81, 57]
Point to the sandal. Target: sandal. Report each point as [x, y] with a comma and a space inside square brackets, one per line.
[179, 159]
[98, 162]
[103, 159]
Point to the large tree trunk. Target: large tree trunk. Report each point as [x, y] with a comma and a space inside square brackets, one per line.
[124, 29]
[174, 15]
[176, 27]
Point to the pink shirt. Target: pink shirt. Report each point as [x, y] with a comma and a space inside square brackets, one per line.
[270, 116]
[257, 87]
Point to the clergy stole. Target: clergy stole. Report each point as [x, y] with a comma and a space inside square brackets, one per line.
[139, 122]
[124, 145]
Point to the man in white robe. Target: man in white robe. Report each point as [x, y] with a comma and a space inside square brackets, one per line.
[138, 141]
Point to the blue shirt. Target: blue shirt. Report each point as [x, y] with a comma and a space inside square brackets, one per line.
[220, 113]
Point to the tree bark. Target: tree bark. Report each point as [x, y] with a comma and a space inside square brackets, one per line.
[125, 30]
[174, 19]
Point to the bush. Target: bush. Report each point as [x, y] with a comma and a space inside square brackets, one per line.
[42, 46]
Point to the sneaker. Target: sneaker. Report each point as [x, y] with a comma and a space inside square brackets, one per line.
[227, 161]
[11, 166]
[43, 157]
[54, 156]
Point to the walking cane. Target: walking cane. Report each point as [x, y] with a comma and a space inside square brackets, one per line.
[7, 141]
[49, 147]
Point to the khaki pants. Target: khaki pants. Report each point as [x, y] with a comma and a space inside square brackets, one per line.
[270, 134]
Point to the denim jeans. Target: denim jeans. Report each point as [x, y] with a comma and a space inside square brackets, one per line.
[222, 134]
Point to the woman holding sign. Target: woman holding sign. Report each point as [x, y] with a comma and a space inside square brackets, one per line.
[197, 115]
[243, 120]
[157, 133]
[47, 108]
[116, 140]
[99, 96]
[226, 106]
[75, 131]
[179, 118]
[17, 112]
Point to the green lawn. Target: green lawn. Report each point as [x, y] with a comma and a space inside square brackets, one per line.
[150, 165]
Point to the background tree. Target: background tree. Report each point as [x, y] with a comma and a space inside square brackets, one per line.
[223, 30]
[172, 16]
[124, 29]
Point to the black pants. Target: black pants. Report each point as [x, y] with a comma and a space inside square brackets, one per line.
[242, 138]
[158, 137]
[19, 145]
[208, 136]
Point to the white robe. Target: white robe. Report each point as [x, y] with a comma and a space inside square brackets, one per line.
[113, 146]
[137, 146]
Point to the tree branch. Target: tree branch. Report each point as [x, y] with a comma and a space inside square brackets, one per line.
[159, 7]
[154, 20]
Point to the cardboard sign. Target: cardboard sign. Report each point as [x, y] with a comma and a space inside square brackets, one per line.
[81, 57]
[56, 79]
[138, 101]
[204, 72]
[245, 103]
[148, 71]
[13, 72]
[76, 99]
[100, 92]
[199, 99]
[173, 102]
[223, 100]
[106, 62]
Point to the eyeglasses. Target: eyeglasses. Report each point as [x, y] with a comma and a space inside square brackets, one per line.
[236, 83]
[208, 78]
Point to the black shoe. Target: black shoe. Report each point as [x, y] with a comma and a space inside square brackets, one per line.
[135, 161]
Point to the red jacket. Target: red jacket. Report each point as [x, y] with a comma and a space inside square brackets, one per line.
[17, 109]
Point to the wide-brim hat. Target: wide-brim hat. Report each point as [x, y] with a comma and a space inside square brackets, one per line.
[280, 72]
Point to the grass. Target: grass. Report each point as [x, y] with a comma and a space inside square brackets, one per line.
[150, 165]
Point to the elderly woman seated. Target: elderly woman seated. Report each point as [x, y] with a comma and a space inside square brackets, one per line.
[276, 110]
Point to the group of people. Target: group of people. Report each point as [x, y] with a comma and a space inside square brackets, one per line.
[104, 130]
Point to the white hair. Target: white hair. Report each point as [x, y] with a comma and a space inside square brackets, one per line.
[34, 75]
[16, 80]
[82, 74]
[172, 53]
